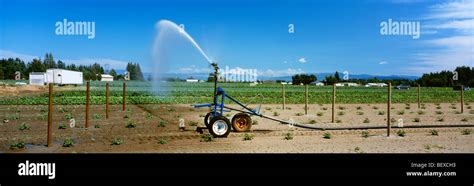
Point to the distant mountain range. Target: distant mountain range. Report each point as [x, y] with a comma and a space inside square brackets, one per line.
[320, 76]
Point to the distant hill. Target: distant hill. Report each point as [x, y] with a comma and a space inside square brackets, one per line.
[321, 77]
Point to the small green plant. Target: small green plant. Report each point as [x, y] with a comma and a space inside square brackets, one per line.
[366, 120]
[393, 120]
[288, 136]
[297, 114]
[341, 113]
[254, 122]
[466, 132]
[62, 126]
[162, 141]
[360, 113]
[359, 108]
[24, 126]
[427, 147]
[439, 112]
[68, 142]
[327, 135]
[96, 116]
[357, 149]
[338, 121]
[434, 132]
[276, 114]
[14, 117]
[325, 108]
[171, 109]
[193, 123]
[407, 108]
[268, 108]
[63, 110]
[207, 138]
[126, 116]
[438, 107]
[162, 123]
[464, 120]
[288, 108]
[341, 108]
[468, 107]
[416, 120]
[150, 116]
[248, 137]
[381, 112]
[365, 134]
[117, 141]
[453, 107]
[401, 112]
[401, 133]
[420, 112]
[440, 119]
[457, 112]
[130, 124]
[312, 121]
[319, 114]
[17, 145]
[375, 107]
[471, 112]
[68, 116]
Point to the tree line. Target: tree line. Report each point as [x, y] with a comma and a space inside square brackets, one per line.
[8, 68]
[462, 75]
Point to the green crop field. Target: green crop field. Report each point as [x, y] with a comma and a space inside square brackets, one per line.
[189, 93]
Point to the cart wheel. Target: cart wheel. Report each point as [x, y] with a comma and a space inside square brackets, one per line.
[241, 122]
[207, 119]
[219, 127]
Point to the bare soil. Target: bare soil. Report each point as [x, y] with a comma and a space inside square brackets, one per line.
[268, 135]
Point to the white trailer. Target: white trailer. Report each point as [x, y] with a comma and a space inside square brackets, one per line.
[37, 78]
[64, 77]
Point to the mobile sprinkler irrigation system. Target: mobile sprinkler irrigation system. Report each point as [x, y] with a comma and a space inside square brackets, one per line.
[220, 126]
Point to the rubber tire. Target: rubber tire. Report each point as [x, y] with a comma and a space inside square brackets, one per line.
[213, 121]
[207, 119]
[246, 117]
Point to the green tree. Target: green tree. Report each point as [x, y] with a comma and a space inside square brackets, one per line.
[336, 75]
[113, 73]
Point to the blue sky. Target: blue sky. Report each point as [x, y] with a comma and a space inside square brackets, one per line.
[329, 35]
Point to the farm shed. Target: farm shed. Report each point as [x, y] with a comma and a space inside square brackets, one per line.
[106, 77]
[64, 77]
[37, 78]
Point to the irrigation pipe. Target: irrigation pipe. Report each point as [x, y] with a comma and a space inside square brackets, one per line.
[311, 126]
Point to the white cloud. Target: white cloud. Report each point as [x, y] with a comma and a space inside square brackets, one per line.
[302, 60]
[382, 62]
[278, 73]
[11, 54]
[452, 43]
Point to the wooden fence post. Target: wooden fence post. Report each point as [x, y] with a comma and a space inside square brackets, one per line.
[389, 102]
[462, 98]
[283, 95]
[124, 96]
[50, 116]
[333, 102]
[107, 100]
[419, 99]
[87, 103]
[306, 100]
